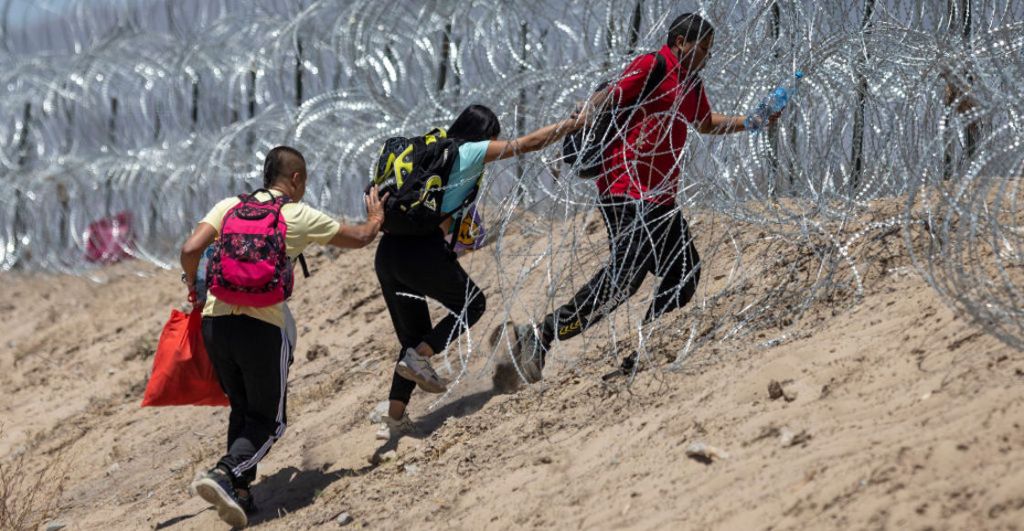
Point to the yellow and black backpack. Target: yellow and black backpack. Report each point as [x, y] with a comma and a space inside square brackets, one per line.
[414, 171]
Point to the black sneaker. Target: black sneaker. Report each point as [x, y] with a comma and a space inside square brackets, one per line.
[216, 488]
[246, 500]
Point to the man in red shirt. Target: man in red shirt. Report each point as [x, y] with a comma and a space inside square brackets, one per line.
[638, 186]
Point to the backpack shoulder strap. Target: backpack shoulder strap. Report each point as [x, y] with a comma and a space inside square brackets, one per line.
[251, 196]
[656, 77]
[278, 200]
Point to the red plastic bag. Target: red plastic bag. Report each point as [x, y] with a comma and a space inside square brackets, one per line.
[182, 372]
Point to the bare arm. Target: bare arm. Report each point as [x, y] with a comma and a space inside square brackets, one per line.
[597, 100]
[192, 251]
[543, 137]
[721, 124]
[356, 236]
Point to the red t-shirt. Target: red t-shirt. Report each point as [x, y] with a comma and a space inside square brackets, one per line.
[646, 165]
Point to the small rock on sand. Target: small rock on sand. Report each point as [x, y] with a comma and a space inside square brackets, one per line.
[112, 469]
[317, 351]
[177, 466]
[788, 437]
[343, 519]
[705, 453]
[777, 390]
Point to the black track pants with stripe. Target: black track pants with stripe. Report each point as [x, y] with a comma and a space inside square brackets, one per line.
[643, 238]
[251, 358]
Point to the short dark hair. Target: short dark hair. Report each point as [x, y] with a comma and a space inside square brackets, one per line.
[281, 161]
[691, 27]
[475, 123]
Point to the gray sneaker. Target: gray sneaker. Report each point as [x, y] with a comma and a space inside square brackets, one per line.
[390, 427]
[528, 352]
[418, 369]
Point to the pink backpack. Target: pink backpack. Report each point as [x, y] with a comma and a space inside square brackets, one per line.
[250, 266]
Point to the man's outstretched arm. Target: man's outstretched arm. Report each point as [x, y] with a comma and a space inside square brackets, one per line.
[724, 124]
[721, 124]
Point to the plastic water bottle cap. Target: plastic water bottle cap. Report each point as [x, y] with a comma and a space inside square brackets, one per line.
[799, 74]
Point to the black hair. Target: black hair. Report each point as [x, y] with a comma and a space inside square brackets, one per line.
[691, 27]
[282, 160]
[475, 123]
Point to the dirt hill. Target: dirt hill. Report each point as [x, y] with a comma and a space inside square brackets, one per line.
[894, 413]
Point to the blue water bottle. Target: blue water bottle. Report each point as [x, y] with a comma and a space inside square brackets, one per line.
[773, 103]
[201, 274]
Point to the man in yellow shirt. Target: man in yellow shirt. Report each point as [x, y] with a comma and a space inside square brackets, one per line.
[250, 347]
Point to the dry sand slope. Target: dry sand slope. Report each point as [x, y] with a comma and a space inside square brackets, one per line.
[897, 414]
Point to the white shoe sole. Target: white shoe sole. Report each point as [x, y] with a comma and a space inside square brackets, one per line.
[227, 509]
[429, 386]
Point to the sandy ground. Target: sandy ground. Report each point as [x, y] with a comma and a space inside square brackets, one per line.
[897, 414]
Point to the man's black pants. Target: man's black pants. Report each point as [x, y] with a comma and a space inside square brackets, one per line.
[642, 238]
[410, 268]
[251, 358]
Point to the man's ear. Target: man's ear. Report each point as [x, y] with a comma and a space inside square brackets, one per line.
[680, 43]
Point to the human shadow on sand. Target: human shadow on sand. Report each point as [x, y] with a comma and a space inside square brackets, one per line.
[288, 490]
[178, 519]
[291, 489]
[429, 423]
[461, 407]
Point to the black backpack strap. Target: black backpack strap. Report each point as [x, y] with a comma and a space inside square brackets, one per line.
[305, 269]
[251, 196]
[655, 79]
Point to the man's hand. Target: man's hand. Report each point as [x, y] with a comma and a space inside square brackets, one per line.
[375, 207]
[577, 119]
[356, 236]
[588, 108]
[580, 115]
[194, 304]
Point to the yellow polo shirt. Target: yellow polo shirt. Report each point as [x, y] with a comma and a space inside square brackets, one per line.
[305, 225]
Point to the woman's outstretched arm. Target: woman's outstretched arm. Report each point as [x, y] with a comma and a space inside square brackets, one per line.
[543, 137]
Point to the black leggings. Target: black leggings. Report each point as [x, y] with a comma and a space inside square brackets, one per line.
[424, 266]
[251, 358]
[642, 238]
